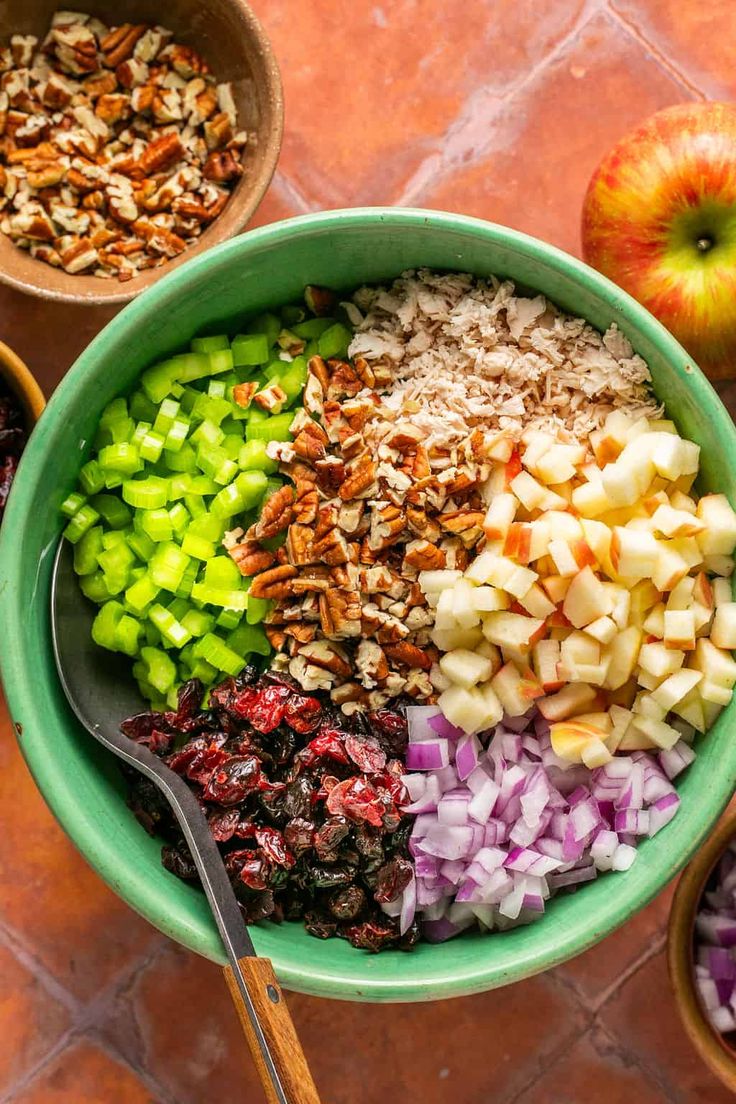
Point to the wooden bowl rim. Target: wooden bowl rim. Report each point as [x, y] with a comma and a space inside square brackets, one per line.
[708, 1042]
[56, 285]
[22, 382]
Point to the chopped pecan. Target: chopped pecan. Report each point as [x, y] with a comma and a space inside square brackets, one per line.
[318, 368]
[348, 693]
[275, 516]
[312, 581]
[331, 549]
[330, 473]
[218, 131]
[271, 398]
[306, 504]
[120, 43]
[408, 655]
[274, 583]
[161, 153]
[466, 524]
[303, 634]
[371, 663]
[313, 395]
[321, 301]
[251, 558]
[323, 654]
[310, 443]
[340, 612]
[387, 526]
[243, 394]
[299, 544]
[343, 379]
[424, 556]
[350, 515]
[404, 436]
[359, 478]
[276, 637]
[222, 166]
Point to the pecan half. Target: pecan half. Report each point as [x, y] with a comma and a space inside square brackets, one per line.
[323, 654]
[275, 516]
[251, 558]
[274, 583]
[161, 153]
[120, 43]
[360, 477]
[408, 655]
[340, 613]
[311, 442]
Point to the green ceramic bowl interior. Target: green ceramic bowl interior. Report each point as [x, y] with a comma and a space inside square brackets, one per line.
[81, 783]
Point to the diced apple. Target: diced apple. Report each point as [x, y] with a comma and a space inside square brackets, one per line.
[644, 595]
[491, 652]
[672, 456]
[623, 696]
[647, 680]
[605, 447]
[598, 719]
[712, 692]
[723, 631]
[434, 582]
[625, 482]
[512, 630]
[437, 679]
[520, 581]
[603, 629]
[623, 653]
[488, 599]
[684, 502]
[471, 710]
[495, 484]
[717, 564]
[533, 495]
[465, 668]
[711, 713]
[595, 754]
[703, 591]
[563, 557]
[536, 602]
[676, 523]
[722, 592]
[659, 732]
[676, 687]
[444, 616]
[500, 447]
[669, 569]
[719, 536]
[715, 663]
[464, 611]
[569, 738]
[556, 587]
[681, 595]
[598, 538]
[620, 605]
[448, 639]
[691, 710]
[546, 663]
[652, 503]
[590, 499]
[659, 660]
[518, 542]
[633, 739]
[653, 623]
[499, 516]
[516, 690]
[647, 706]
[586, 600]
[687, 548]
[572, 699]
[633, 554]
[679, 629]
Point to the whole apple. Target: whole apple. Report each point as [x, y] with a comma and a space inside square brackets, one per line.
[659, 219]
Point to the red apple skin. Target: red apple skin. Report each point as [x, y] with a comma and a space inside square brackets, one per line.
[663, 188]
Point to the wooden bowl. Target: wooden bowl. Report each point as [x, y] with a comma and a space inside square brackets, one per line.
[18, 378]
[708, 1042]
[232, 41]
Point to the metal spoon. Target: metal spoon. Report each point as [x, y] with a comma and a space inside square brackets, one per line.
[101, 694]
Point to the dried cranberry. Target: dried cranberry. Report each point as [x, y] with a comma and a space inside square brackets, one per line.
[254, 872]
[366, 754]
[322, 877]
[356, 799]
[223, 824]
[178, 861]
[233, 780]
[302, 713]
[372, 935]
[264, 708]
[329, 744]
[189, 703]
[393, 878]
[144, 729]
[298, 797]
[391, 730]
[149, 805]
[273, 845]
[347, 903]
[299, 835]
[257, 906]
[329, 836]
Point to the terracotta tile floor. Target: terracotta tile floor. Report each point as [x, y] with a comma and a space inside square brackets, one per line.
[498, 108]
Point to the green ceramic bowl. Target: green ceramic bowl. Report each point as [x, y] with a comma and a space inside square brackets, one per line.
[265, 268]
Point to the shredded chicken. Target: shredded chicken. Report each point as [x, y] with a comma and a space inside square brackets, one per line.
[464, 352]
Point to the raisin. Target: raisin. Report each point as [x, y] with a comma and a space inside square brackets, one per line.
[178, 861]
[274, 847]
[319, 926]
[391, 730]
[328, 838]
[372, 935]
[298, 797]
[367, 754]
[299, 835]
[223, 824]
[346, 904]
[393, 878]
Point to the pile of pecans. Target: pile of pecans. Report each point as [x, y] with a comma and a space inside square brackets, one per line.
[368, 509]
[117, 147]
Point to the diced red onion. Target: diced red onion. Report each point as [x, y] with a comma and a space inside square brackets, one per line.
[467, 754]
[417, 720]
[428, 755]
[442, 727]
[676, 759]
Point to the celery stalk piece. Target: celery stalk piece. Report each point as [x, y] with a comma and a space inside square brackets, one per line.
[251, 486]
[94, 587]
[250, 350]
[273, 428]
[87, 550]
[156, 524]
[159, 668]
[91, 477]
[141, 544]
[249, 639]
[252, 456]
[228, 618]
[82, 521]
[222, 573]
[215, 651]
[148, 493]
[168, 565]
[335, 341]
[141, 408]
[166, 415]
[128, 635]
[198, 547]
[228, 599]
[72, 503]
[210, 344]
[312, 328]
[120, 457]
[268, 324]
[105, 624]
[140, 594]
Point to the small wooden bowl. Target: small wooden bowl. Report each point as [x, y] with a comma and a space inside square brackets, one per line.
[232, 41]
[715, 1052]
[15, 374]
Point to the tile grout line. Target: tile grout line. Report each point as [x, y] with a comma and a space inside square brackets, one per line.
[632, 1057]
[550, 1062]
[11, 941]
[161, 1095]
[422, 178]
[651, 952]
[634, 32]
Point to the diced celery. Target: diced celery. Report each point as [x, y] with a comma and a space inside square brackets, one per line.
[216, 388]
[116, 563]
[203, 671]
[139, 434]
[257, 611]
[105, 624]
[268, 324]
[179, 486]
[141, 544]
[114, 480]
[113, 510]
[222, 573]
[94, 587]
[229, 619]
[175, 438]
[197, 547]
[157, 525]
[335, 341]
[292, 314]
[250, 350]
[207, 433]
[248, 640]
[252, 456]
[122, 457]
[179, 519]
[198, 622]
[190, 366]
[227, 502]
[91, 477]
[274, 428]
[159, 668]
[72, 503]
[147, 493]
[82, 521]
[171, 630]
[313, 328]
[251, 486]
[168, 565]
[195, 504]
[141, 407]
[202, 485]
[183, 460]
[210, 344]
[216, 652]
[157, 381]
[140, 594]
[228, 599]
[87, 550]
[114, 537]
[167, 412]
[128, 635]
[188, 579]
[221, 361]
[293, 379]
[231, 445]
[209, 526]
[151, 446]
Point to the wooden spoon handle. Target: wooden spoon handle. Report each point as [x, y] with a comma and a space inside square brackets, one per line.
[278, 1029]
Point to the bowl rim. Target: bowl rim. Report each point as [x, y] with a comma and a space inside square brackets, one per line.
[474, 974]
[121, 293]
[707, 1041]
[22, 382]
